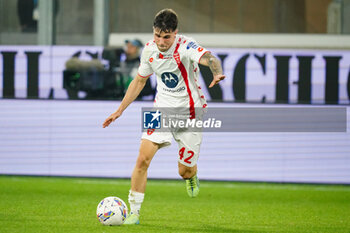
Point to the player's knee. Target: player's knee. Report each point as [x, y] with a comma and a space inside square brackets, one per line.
[181, 172]
[185, 175]
[142, 162]
[186, 172]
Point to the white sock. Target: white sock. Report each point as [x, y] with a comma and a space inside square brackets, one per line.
[135, 200]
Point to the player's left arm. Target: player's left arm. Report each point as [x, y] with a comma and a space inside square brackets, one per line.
[215, 66]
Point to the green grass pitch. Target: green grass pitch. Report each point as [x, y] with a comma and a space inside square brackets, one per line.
[50, 204]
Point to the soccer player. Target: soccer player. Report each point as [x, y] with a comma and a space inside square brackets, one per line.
[174, 59]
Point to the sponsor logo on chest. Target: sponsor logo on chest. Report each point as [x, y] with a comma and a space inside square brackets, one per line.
[170, 79]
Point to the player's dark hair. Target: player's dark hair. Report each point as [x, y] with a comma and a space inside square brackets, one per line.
[166, 20]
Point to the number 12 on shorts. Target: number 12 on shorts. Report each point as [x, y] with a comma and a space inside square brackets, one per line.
[186, 158]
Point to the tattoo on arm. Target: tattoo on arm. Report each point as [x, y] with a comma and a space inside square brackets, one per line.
[213, 63]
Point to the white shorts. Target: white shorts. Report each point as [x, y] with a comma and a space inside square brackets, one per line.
[189, 144]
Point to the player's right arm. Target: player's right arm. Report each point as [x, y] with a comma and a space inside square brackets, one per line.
[134, 89]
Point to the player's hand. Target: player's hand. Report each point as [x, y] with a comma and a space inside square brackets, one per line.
[111, 118]
[216, 80]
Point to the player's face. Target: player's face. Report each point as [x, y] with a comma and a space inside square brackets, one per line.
[164, 40]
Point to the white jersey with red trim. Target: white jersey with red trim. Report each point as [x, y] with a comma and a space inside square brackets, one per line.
[177, 73]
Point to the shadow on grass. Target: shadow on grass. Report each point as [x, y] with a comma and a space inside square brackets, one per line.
[202, 228]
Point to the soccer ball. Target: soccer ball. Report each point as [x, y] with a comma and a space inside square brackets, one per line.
[112, 211]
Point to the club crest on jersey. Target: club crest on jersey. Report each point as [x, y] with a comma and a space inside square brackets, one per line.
[170, 79]
[192, 45]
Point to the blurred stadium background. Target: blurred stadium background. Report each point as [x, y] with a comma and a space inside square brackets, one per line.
[275, 53]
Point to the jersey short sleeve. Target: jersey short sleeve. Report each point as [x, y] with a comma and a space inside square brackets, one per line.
[145, 68]
[195, 51]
